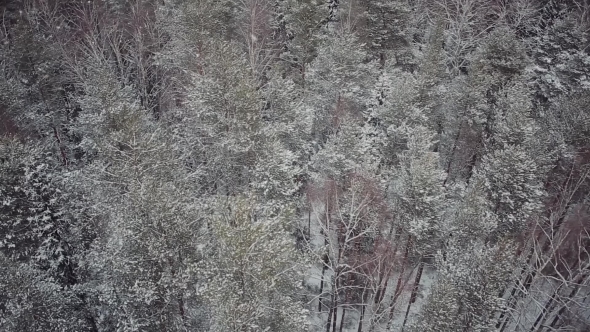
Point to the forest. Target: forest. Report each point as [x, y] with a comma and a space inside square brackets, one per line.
[295, 165]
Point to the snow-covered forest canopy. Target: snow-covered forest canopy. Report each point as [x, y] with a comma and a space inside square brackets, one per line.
[295, 165]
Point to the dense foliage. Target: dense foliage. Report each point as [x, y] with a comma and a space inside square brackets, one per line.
[295, 165]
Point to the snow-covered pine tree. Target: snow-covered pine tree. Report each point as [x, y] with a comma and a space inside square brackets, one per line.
[339, 79]
[418, 194]
[470, 276]
[418, 189]
[512, 181]
[149, 229]
[300, 24]
[34, 300]
[497, 67]
[251, 274]
[219, 124]
[387, 27]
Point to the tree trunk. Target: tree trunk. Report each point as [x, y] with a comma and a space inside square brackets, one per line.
[309, 225]
[360, 326]
[335, 312]
[382, 289]
[417, 282]
[398, 287]
[452, 154]
[414, 291]
[406, 316]
[329, 323]
[181, 308]
[379, 287]
[342, 319]
[324, 268]
[61, 148]
[547, 308]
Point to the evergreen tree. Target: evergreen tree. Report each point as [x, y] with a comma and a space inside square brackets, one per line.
[337, 81]
[219, 125]
[149, 228]
[251, 274]
[418, 189]
[300, 24]
[473, 274]
[512, 181]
